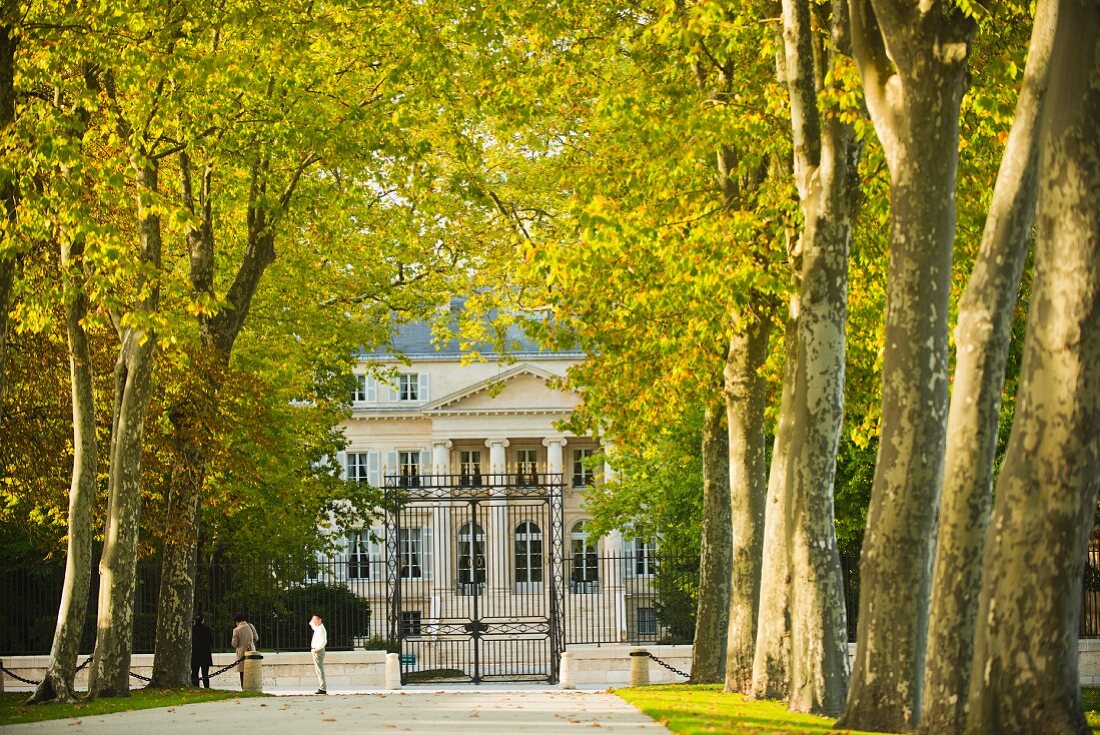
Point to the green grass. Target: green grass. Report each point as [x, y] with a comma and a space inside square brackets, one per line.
[13, 711]
[695, 710]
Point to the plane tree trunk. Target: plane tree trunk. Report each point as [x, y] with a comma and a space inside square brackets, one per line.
[912, 59]
[57, 683]
[746, 400]
[1030, 604]
[712, 618]
[110, 669]
[982, 340]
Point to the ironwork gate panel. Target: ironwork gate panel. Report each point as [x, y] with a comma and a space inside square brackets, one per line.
[475, 576]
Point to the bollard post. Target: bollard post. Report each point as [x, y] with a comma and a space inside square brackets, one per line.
[639, 667]
[253, 672]
[393, 671]
[565, 677]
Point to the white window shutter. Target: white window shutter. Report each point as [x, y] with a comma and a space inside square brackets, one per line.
[391, 467]
[374, 554]
[374, 476]
[425, 462]
[426, 553]
[628, 558]
[371, 389]
[422, 387]
[394, 390]
[342, 460]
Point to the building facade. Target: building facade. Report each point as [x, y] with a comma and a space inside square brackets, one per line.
[479, 444]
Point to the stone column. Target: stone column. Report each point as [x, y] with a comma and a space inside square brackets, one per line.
[497, 577]
[554, 459]
[615, 552]
[442, 533]
[441, 456]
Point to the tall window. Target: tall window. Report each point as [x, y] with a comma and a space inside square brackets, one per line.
[365, 390]
[469, 462]
[527, 467]
[528, 557]
[408, 464]
[410, 549]
[582, 471]
[471, 560]
[645, 564]
[584, 577]
[410, 622]
[359, 466]
[408, 387]
[359, 555]
[647, 621]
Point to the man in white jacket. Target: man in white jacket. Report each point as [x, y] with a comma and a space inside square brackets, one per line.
[317, 648]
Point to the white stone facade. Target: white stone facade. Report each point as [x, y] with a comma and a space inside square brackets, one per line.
[471, 422]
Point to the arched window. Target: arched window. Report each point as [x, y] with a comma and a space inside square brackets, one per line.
[471, 560]
[584, 576]
[528, 557]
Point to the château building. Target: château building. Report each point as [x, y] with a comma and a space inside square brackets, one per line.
[493, 514]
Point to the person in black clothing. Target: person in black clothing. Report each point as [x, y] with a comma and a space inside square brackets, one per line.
[202, 640]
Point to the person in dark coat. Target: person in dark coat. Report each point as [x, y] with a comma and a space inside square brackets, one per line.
[202, 641]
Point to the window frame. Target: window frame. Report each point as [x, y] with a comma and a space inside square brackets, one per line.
[527, 548]
[469, 468]
[582, 476]
[408, 387]
[584, 572]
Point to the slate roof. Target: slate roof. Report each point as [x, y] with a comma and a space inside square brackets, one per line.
[414, 340]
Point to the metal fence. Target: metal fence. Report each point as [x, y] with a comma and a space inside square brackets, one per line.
[608, 599]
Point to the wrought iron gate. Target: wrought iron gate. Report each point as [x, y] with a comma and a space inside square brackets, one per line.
[475, 576]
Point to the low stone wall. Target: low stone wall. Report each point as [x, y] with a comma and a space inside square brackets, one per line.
[343, 670]
[610, 665]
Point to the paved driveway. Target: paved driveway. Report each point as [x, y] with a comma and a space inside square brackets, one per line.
[527, 712]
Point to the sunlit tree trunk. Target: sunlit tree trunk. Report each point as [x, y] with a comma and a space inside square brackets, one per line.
[826, 153]
[57, 683]
[982, 339]
[912, 59]
[109, 672]
[1025, 651]
[745, 403]
[190, 421]
[772, 657]
[712, 617]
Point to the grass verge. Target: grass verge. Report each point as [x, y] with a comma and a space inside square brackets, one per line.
[13, 711]
[703, 709]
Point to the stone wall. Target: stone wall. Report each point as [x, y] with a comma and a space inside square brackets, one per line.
[609, 666]
[593, 666]
[343, 670]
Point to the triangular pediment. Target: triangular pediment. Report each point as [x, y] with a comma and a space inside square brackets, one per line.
[523, 388]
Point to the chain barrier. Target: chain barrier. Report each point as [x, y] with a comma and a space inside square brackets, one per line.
[88, 660]
[671, 668]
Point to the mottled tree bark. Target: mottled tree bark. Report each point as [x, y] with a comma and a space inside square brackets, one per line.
[745, 403]
[9, 184]
[109, 674]
[57, 683]
[982, 339]
[826, 154]
[772, 657]
[189, 418]
[712, 613]
[912, 59]
[1025, 652]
